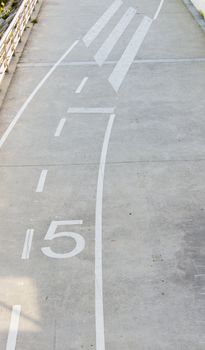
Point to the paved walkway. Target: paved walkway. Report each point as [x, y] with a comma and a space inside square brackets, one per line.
[102, 181]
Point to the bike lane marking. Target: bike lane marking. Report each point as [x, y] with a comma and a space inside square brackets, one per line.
[27, 244]
[13, 329]
[33, 94]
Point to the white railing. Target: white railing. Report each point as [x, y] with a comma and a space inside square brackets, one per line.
[13, 34]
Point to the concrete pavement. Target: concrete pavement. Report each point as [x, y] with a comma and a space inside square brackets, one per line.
[121, 178]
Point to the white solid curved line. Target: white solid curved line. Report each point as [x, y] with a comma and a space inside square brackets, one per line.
[99, 311]
[158, 10]
[32, 95]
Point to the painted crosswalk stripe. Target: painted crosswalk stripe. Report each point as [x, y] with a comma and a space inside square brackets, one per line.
[13, 329]
[118, 74]
[81, 86]
[27, 244]
[114, 36]
[101, 23]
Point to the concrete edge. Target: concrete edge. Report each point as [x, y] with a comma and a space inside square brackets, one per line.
[4, 87]
[198, 17]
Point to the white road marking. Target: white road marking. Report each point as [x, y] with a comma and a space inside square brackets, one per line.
[101, 23]
[81, 86]
[52, 234]
[90, 110]
[33, 94]
[60, 127]
[159, 9]
[13, 329]
[99, 311]
[41, 181]
[27, 244]
[114, 36]
[56, 223]
[117, 76]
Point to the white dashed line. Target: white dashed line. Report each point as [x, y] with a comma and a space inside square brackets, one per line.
[114, 36]
[81, 86]
[27, 244]
[99, 312]
[13, 329]
[101, 23]
[33, 94]
[41, 181]
[60, 127]
[118, 75]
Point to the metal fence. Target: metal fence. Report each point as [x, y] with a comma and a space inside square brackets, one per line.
[13, 34]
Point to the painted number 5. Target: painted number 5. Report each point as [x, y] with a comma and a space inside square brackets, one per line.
[51, 234]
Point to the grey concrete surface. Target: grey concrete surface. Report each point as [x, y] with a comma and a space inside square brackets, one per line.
[154, 186]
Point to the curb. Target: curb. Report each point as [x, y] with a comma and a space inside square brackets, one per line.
[199, 19]
[20, 48]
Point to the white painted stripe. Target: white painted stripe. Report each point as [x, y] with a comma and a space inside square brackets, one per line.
[60, 127]
[81, 86]
[27, 244]
[101, 23]
[13, 329]
[159, 9]
[114, 36]
[41, 181]
[99, 312]
[33, 94]
[90, 110]
[117, 76]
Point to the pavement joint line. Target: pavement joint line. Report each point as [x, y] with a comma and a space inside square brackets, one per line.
[107, 63]
[108, 163]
